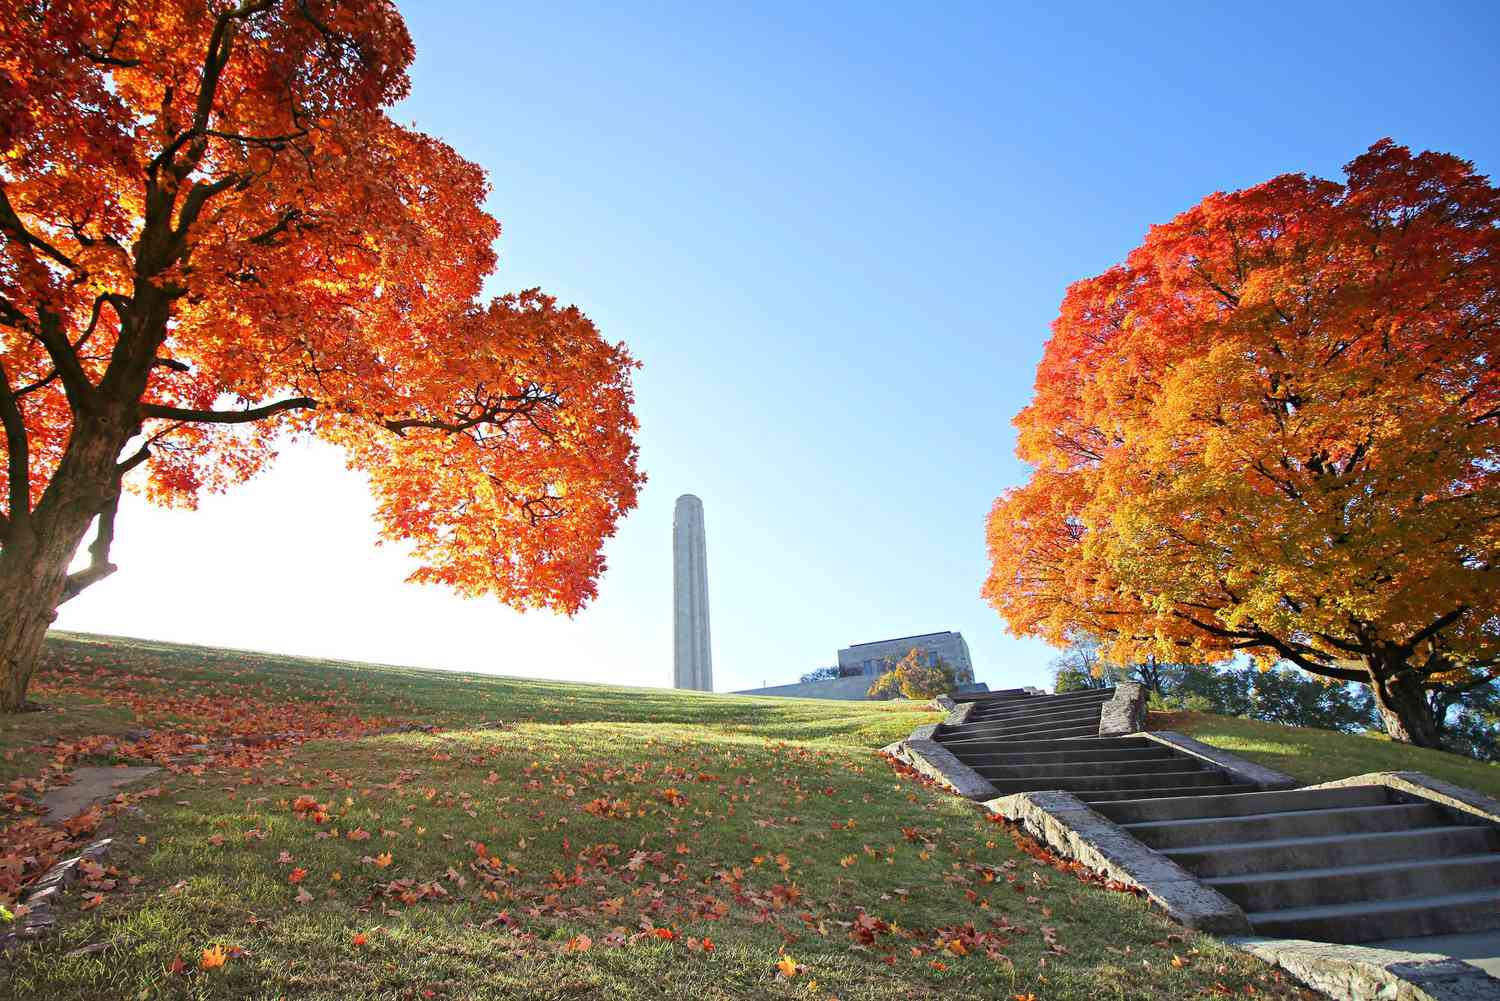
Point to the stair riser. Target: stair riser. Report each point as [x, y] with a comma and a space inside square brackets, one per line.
[1390, 884]
[1098, 798]
[1076, 758]
[1040, 736]
[1248, 803]
[1343, 851]
[1050, 745]
[1030, 724]
[978, 715]
[1353, 929]
[1304, 824]
[1089, 768]
[1110, 783]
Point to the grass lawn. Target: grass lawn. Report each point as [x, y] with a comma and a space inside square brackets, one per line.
[547, 841]
[1321, 755]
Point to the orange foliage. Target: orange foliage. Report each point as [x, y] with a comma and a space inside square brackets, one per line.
[215, 236]
[1276, 428]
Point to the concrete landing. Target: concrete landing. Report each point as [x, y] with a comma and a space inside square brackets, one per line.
[90, 785]
[1481, 949]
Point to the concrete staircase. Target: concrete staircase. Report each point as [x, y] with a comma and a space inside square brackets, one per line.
[1342, 864]
[1030, 743]
[1352, 864]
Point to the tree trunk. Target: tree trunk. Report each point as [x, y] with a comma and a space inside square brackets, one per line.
[34, 560]
[1407, 714]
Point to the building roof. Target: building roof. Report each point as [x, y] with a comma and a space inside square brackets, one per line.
[897, 639]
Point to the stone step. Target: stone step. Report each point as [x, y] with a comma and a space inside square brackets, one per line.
[1110, 797]
[1294, 824]
[1003, 695]
[1109, 783]
[1132, 767]
[1370, 922]
[1286, 854]
[1080, 758]
[1072, 718]
[1245, 803]
[1087, 729]
[1348, 884]
[1039, 707]
[1094, 743]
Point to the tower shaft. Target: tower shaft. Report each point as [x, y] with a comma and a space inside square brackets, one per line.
[692, 661]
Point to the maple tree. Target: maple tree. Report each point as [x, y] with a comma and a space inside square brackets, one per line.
[1275, 428]
[213, 236]
[917, 675]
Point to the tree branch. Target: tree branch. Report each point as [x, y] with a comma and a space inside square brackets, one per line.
[227, 416]
[18, 452]
[1438, 625]
[11, 225]
[99, 565]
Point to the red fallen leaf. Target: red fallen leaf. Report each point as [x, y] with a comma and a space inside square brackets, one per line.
[297, 875]
[666, 934]
[177, 967]
[359, 938]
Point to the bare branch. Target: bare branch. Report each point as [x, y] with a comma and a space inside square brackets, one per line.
[227, 416]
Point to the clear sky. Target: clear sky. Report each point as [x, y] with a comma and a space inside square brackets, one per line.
[836, 236]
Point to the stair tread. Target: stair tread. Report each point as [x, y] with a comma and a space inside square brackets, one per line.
[1368, 906]
[1168, 792]
[1239, 846]
[1145, 825]
[1296, 875]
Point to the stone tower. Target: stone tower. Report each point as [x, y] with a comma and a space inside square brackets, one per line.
[692, 663]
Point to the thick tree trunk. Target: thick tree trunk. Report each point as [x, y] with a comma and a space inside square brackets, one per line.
[1407, 714]
[34, 560]
[31, 582]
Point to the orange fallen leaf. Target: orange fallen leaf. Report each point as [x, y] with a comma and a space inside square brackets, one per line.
[383, 859]
[580, 943]
[787, 966]
[297, 875]
[213, 957]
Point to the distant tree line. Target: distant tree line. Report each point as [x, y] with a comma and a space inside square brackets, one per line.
[1468, 720]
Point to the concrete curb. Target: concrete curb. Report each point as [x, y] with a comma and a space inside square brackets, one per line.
[1267, 779]
[1471, 806]
[1358, 972]
[1071, 827]
[935, 761]
[1125, 712]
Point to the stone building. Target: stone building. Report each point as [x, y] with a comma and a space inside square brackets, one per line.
[861, 663]
[871, 659]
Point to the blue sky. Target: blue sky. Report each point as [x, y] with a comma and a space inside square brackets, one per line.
[835, 238]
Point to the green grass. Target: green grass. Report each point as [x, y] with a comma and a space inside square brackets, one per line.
[1323, 755]
[766, 826]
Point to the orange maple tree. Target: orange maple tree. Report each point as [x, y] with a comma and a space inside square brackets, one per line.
[214, 235]
[1276, 429]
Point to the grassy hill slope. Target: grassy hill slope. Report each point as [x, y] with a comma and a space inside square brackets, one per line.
[1322, 755]
[546, 841]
